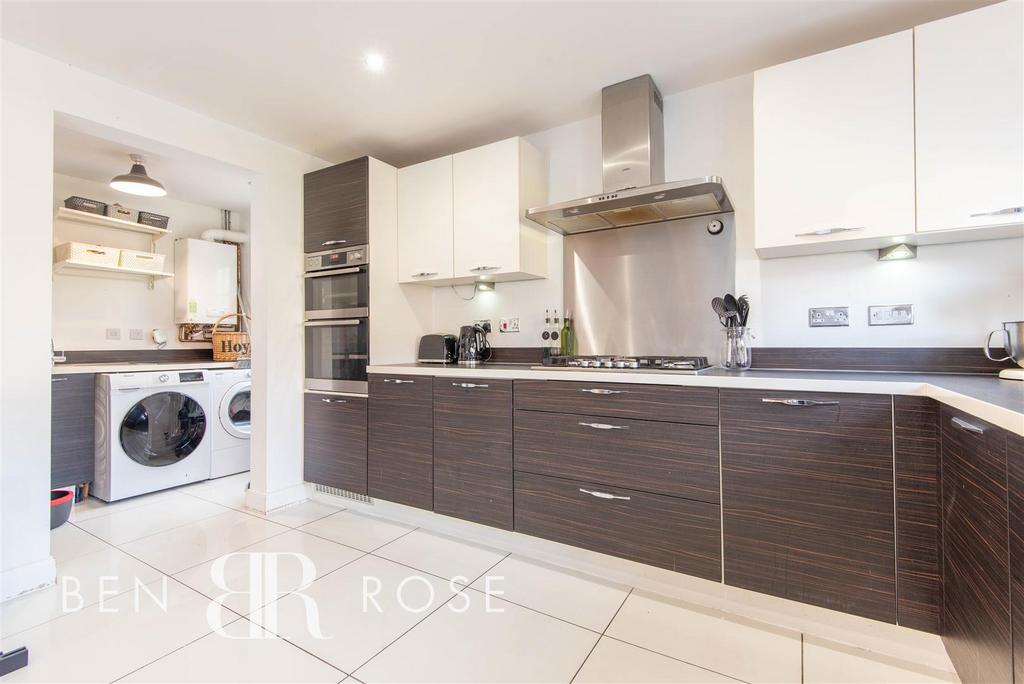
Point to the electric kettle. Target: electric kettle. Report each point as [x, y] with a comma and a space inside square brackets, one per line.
[473, 345]
[1013, 343]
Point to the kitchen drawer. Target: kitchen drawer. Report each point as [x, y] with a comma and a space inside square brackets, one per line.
[473, 450]
[697, 405]
[665, 458]
[400, 453]
[664, 531]
[72, 425]
[335, 441]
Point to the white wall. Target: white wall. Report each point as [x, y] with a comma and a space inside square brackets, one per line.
[36, 89]
[958, 291]
[86, 304]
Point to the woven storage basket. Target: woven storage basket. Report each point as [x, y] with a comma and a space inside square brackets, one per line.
[84, 253]
[122, 212]
[230, 346]
[87, 205]
[144, 261]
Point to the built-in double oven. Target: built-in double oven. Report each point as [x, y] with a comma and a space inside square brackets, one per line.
[337, 319]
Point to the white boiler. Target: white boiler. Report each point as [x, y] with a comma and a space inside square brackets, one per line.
[205, 280]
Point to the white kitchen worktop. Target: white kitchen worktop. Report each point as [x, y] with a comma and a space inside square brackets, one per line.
[72, 368]
[1000, 402]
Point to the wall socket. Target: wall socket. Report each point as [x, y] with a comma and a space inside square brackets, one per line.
[891, 314]
[508, 325]
[828, 317]
[136, 334]
[113, 333]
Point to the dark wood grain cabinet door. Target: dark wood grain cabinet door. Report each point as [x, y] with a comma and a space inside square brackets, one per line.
[1015, 496]
[335, 441]
[72, 427]
[976, 565]
[336, 206]
[473, 450]
[400, 455]
[697, 405]
[918, 498]
[807, 490]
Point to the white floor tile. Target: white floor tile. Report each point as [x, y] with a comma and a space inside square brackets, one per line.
[92, 507]
[710, 639]
[228, 491]
[826, 663]
[90, 646]
[182, 547]
[442, 556]
[301, 513]
[129, 524]
[616, 662]
[512, 644]
[68, 541]
[580, 599]
[237, 657]
[363, 532]
[80, 583]
[356, 619]
[326, 556]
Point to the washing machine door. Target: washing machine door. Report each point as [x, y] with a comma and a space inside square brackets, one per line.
[162, 429]
[235, 410]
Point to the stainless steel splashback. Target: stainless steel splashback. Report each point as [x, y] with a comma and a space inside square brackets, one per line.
[647, 290]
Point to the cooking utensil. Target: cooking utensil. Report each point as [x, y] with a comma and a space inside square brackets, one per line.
[743, 307]
[724, 315]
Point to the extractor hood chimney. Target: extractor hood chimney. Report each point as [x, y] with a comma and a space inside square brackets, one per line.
[633, 154]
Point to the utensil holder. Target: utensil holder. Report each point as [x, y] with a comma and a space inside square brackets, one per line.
[736, 348]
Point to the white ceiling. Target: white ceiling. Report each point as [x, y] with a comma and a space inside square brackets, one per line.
[458, 74]
[98, 153]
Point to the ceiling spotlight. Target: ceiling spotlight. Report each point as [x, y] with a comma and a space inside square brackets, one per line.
[136, 181]
[897, 252]
[374, 62]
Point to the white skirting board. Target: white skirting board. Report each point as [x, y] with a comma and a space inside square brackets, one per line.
[27, 578]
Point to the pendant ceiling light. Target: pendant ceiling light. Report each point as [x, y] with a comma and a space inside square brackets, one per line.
[136, 181]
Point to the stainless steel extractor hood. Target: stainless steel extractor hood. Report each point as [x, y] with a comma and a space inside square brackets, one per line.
[633, 152]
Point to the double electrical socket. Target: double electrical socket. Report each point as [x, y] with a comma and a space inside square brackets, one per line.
[828, 316]
[879, 314]
[133, 334]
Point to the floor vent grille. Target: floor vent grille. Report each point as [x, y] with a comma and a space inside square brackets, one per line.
[343, 493]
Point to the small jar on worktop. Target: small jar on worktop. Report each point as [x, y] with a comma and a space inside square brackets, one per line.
[736, 348]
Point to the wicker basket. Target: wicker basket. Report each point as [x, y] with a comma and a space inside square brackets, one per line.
[148, 218]
[84, 253]
[143, 261]
[119, 211]
[230, 346]
[87, 205]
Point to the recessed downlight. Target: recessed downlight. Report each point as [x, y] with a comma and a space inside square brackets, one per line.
[374, 61]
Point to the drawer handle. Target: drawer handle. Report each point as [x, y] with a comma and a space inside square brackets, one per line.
[399, 382]
[328, 243]
[969, 427]
[480, 269]
[424, 274]
[605, 495]
[604, 426]
[829, 231]
[1000, 212]
[604, 392]
[58, 379]
[333, 401]
[800, 402]
[468, 385]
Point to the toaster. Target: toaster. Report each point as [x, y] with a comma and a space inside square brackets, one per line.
[438, 349]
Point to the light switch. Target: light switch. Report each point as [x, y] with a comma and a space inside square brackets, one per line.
[135, 334]
[891, 314]
[113, 333]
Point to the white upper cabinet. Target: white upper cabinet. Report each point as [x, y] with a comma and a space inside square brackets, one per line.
[425, 222]
[493, 187]
[834, 147]
[970, 119]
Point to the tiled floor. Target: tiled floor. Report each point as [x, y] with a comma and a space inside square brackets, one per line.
[368, 600]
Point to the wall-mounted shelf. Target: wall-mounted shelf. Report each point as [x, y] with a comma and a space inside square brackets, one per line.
[72, 267]
[75, 216]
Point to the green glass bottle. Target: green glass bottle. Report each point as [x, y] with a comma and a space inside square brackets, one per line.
[567, 337]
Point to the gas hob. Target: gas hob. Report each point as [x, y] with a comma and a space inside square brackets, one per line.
[689, 365]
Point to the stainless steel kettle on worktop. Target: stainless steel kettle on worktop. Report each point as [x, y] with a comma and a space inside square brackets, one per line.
[473, 344]
[1013, 342]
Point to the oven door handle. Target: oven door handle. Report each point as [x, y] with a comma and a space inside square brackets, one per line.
[323, 324]
[333, 272]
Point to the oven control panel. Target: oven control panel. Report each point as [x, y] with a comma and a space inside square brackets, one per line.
[336, 258]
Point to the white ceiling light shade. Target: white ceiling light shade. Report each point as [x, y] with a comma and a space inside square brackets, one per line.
[137, 181]
[374, 62]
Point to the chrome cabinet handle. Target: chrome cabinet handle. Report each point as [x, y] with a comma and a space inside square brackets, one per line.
[478, 269]
[604, 392]
[969, 427]
[400, 382]
[333, 401]
[333, 242]
[1000, 212]
[129, 389]
[829, 231]
[605, 495]
[799, 402]
[328, 323]
[58, 379]
[604, 426]
[468, 385]
[1006, 345]
[332, 272]
[424, 274]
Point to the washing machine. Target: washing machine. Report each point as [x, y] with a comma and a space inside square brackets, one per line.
[153, 431]
[229, 392]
